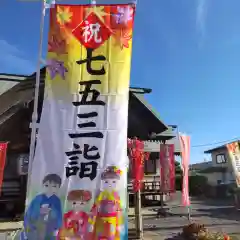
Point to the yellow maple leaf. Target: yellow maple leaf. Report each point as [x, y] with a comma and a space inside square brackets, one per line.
[64, 15]
[98, 10]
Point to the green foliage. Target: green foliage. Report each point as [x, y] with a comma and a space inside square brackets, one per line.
[178, 170]
[213, 170]
[196, 184]
[178, 183]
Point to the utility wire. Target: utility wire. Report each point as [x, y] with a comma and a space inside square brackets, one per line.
[210, 144]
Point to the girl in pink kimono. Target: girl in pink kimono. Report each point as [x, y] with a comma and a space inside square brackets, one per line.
[107, 220]
[76, 220]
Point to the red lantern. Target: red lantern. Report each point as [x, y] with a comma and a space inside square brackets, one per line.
[137, 156]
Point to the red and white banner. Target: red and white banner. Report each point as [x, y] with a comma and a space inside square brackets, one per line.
[185, 150]
[138, 157]
[3, 153]
[234, 155]
[167, 164]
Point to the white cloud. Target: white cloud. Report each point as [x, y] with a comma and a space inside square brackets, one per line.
[6, 47]
[201, 16]
[13, 60]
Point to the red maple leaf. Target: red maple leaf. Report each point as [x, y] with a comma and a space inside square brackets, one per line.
[122, 38]
[56, 45]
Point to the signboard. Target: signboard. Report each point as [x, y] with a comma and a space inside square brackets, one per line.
[151, 146]
[78, 184]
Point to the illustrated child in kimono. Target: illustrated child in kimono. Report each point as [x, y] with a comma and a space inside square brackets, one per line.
[43, 217]
[75, 224]
[107, 219]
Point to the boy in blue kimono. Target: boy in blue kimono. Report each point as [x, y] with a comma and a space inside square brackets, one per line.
[43, 217]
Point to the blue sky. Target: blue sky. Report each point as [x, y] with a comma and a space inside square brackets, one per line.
[187, 51]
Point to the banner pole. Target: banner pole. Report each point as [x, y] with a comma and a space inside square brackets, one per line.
[189, 214]
[162, 195]
[137, 194]
[36, 96]
[138, 215]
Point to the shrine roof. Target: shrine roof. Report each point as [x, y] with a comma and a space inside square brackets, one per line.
[7, 81]
[143, 122]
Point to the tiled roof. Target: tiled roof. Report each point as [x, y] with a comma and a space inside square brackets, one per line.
[219, 147]
[154, 145]
[7, 81]
[141, 98]
[27, 83]
[5, 86]
[200, 166]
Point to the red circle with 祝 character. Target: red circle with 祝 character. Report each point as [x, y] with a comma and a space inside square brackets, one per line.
[92, 32]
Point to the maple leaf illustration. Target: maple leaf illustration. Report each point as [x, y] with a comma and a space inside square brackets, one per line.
[124, 15]
[64, 15]
[56, 67]
[98, 10]
[122, 38]
[57, 45]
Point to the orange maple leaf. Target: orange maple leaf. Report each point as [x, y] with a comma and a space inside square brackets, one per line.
[122, 38]
[232, 147]
[64, 15]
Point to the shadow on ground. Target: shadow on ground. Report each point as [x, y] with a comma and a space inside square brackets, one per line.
[131, 234]
[7, 218]
[212, 201]
[229, 213]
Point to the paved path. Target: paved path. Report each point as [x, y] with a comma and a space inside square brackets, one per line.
[3, 236]
[215, 215]
[218, 216]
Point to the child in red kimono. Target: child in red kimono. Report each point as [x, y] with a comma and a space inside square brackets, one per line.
[75, 225]
[107, 220]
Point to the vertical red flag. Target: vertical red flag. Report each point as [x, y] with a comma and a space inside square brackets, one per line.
[137, 156]
[172, 168]
[3, 153]
[185, 149]
[167, 164]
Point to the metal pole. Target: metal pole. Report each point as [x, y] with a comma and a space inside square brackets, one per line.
[189, 214]
[162, 199]
[162, 194]
[138, 205]
[36, 96]
[138, 215]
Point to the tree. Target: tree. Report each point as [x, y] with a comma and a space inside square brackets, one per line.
[178, 169]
